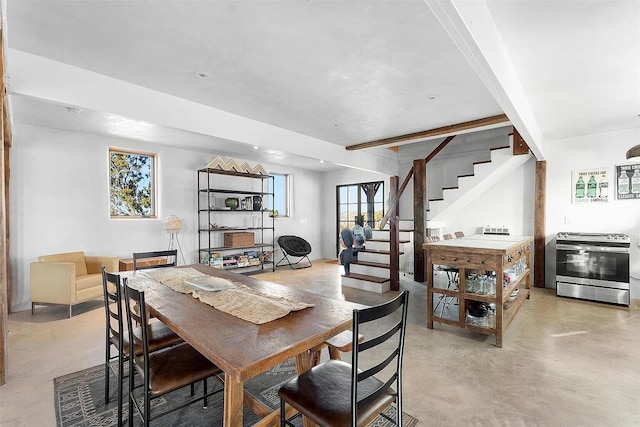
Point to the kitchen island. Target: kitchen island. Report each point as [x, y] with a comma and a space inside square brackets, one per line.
[478, 282]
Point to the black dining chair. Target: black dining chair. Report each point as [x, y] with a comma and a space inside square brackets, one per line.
[163, 371]
[155, 259]
[117, 338]
[336, 393]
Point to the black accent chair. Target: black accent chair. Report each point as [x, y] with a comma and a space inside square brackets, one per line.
[118, 337]
[339, 394]
[162, 371]
[294, 246]
[170, 256]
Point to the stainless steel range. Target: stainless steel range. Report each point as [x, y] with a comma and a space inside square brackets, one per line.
[593, 266]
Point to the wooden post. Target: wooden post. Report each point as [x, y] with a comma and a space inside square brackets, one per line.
[6, 143]
[539, 223]
[394, 238]
[4, 339]
[419, 217]
[5, 288]
[519, 144]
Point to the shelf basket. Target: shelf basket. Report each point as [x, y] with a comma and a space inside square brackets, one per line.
[239, 240]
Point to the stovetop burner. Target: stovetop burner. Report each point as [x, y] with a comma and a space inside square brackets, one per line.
[593, 237]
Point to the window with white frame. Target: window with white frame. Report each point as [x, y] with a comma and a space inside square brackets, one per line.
[132, 186]
[279, 203]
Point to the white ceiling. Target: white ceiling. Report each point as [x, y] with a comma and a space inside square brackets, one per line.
[306, 78]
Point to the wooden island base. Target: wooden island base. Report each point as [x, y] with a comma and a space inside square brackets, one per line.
[477, 254]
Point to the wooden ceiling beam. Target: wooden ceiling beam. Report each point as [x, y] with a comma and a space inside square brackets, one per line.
[441, 131]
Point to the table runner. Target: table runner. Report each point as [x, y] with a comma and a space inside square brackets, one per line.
[242, 302]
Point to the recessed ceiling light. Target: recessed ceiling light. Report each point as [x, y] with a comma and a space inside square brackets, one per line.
[201, 74]
[255, 147]
[321, 161]
[73, 110]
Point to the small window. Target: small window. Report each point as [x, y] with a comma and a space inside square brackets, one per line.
[132, 186]
[279, 186]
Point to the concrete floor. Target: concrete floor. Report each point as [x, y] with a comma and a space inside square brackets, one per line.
[564, 362]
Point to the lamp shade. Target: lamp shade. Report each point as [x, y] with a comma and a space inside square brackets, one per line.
[173, 224]
[634, 153]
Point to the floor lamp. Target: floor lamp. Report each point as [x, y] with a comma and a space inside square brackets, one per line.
[173, 225]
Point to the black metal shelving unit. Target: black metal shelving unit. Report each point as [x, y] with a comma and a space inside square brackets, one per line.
[214, 220]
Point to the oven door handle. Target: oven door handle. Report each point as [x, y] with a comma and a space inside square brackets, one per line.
[590, 248]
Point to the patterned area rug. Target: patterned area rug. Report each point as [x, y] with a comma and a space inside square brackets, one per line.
[79, 401]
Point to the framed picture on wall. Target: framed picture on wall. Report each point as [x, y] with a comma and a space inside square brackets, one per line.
[628, 182]
[590, 186]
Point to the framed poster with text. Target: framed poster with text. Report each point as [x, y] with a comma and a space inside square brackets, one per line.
[628, 182]
[590, 185]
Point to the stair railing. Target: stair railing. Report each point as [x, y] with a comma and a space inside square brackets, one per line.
[393, 202]
[392, 216]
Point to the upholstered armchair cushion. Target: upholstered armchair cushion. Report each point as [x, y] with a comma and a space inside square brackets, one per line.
[68, 278]
[77, 258]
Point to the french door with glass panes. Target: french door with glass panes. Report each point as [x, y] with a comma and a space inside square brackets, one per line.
[365, 199]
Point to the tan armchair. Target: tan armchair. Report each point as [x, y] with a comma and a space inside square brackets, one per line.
[68, 279]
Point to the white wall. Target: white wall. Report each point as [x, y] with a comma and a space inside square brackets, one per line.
[59, 201]
[509, 203]
[455, 159]
[617, 216]
[305, 217]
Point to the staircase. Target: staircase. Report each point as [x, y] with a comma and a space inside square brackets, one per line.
[372, 271]
[486, 174]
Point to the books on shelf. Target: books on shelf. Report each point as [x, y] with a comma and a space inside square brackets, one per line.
[246, 259]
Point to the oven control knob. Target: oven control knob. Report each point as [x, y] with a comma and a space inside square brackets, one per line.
[609, 237]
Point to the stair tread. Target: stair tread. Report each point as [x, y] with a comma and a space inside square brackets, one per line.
[371, 264]
[438, 209]
[368, 278]
[387, 240]
[377, 251]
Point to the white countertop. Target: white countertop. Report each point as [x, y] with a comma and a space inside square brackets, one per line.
[497, 237]
[481, 241]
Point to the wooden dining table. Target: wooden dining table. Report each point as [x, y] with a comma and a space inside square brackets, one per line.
[242, 349]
